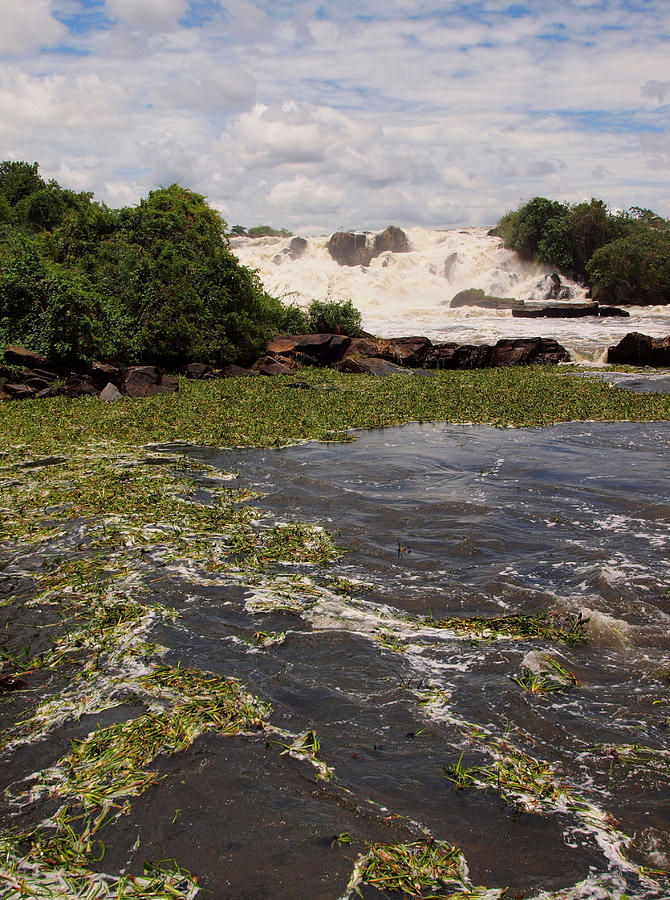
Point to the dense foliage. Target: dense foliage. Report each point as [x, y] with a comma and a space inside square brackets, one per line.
[258, 231]
[623, 257]
[153, 283]
[334, 317]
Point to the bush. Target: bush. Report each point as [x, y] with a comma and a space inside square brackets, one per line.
[633, 269]
[335, 317]
[523, 229]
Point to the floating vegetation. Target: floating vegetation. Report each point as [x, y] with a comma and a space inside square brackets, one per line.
[414, 868]
[387, 642]
[267, 639]
[635, 756]
[551, 677]
[569, 630]
[306, 746]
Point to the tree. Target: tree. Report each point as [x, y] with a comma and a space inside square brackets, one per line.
[633, 269]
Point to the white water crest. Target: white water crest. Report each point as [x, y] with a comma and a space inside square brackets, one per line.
[402, 294]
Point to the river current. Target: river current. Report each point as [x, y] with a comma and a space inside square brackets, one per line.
[439, 524]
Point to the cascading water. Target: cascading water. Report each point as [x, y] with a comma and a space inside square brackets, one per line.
[409, 293]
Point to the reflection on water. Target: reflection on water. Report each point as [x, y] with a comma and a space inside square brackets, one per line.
[568, 522]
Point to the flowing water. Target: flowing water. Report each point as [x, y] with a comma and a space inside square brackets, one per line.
[402, 294]
[570, 522]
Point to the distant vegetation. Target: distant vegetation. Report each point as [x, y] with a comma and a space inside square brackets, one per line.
[155, 282]
[258, 231]
[622, 257]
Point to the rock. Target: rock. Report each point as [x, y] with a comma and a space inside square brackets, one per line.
[557, 311]
[477, 297]
[198, 370]
[391, 238]
[365, 347]
[19, 356]
[605, 311]
[349, 248]
[103, 373]
[80, 386]
[110, 392]
[458, 356]
[268, 365]
[43, 373]
[449, 264]
[233, 371]
[371, 366]
[637, 349]
[50, 391]
[319, 349]
[37, 383]
[141, 381]
[18, 391]
[352, 248]
[169, 384]
[524, 351]
[297, 247]
[410, 351]
[552, 288]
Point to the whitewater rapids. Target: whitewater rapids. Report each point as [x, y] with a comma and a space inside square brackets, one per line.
[409, 293]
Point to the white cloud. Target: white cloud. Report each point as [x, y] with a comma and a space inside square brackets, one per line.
[147, 13]
[28, 25]
[370, 112]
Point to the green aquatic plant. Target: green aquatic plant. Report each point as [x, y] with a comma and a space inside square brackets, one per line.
[551, 679]
[518, 627]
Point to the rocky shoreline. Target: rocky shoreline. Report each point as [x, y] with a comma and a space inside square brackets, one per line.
[26, 375]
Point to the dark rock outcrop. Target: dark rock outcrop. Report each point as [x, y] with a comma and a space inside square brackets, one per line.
[391, 238]
[268, 365]
[19, 356]
[568, 311]
[297, 247]
[637, 349]
[552, 288]
[80, 386]
[317, 349]
[526, 351]
[148, 381]
[371, 366]
[477, 297]
[349, 248]
[18, 391]
[198, 370]
[233, 371]
[103, 373]
[355, 248]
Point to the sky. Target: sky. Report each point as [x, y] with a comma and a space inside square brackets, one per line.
[357, 114]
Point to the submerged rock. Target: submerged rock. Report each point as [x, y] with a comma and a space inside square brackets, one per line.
[477, 297]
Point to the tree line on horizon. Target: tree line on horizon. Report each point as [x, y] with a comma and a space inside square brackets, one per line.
[622, 257]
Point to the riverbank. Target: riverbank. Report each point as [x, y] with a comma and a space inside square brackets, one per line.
[319, 404]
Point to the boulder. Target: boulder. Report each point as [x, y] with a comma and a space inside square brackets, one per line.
[637, 349]
[525, 351]
[458, 356]
[552, 288]
[609, 311]
[449, 264]
[18, 391]
[557, 311]
[19, 356]
[297, 247]
[110, 392]
[318, 349]
[364, 347]
[353, 248]
[477, 297]
[391, 238]
[198, 370]
[80, 386]
[349, 248]
[233, 371]
[37, 383]
[268, 365]
[147, 381]
[371, 366]
[103, 373]
[410, 351]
